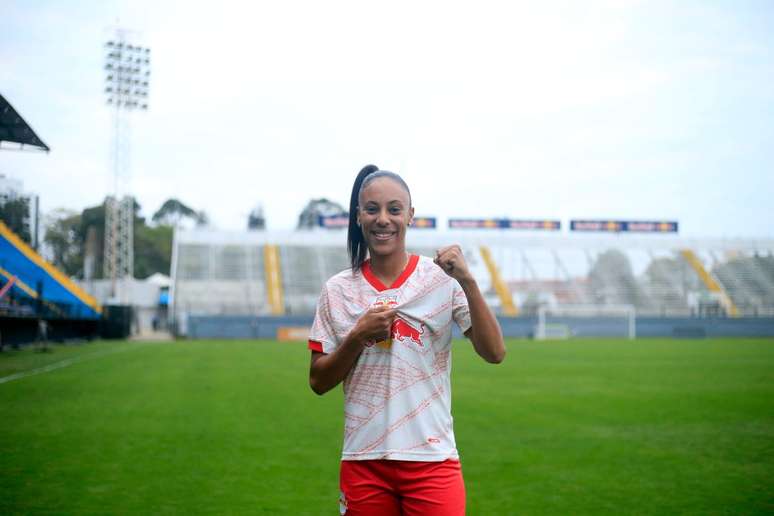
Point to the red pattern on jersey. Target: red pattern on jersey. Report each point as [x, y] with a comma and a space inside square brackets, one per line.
[402, 421]
[428, 285]
[373, 386]
[389, 390]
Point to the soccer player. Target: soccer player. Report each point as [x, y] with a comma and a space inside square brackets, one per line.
[384, 328]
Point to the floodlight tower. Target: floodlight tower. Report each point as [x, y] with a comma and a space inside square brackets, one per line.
[127, 78]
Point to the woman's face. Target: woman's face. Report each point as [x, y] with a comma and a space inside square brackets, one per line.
[384, 213]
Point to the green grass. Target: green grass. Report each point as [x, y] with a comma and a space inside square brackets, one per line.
[574, 427]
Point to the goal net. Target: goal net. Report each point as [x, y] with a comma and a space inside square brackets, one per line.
[566, 321]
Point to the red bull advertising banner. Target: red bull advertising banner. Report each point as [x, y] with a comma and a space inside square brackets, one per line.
[424, 223]
[548, 225]
[532, 225]
[342, 221]
[622, 226]
[333, 221]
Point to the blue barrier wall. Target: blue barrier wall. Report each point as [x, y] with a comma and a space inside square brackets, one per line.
[240, 326]
[247, 327]
[693, 327]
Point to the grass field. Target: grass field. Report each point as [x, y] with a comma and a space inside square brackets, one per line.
[573, 427]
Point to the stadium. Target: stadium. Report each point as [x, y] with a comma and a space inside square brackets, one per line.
[605, 171]
[580, 418]
[256, 284]
[642, 421]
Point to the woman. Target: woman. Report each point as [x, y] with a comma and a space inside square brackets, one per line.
[384, 329]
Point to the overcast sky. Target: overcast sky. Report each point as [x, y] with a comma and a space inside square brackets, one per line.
[559, 110]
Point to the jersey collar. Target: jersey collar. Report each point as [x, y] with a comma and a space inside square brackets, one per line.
[369, 275]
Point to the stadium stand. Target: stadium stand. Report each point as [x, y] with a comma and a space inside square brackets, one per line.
[32, 278]
[32, 290]
[227, 274]
[749, 281]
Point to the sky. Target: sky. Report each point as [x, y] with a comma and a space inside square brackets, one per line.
[528, 110]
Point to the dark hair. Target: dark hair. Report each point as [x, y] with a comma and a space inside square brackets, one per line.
[355, 241]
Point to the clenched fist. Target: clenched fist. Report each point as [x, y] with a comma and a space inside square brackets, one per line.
[452, 261]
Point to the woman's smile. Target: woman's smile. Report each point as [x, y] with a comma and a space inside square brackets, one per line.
[384, 212]
[381, 235]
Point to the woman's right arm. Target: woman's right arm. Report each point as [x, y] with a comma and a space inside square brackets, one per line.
[326, 371]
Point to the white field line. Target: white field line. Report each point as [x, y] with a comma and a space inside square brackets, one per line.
[67, 362]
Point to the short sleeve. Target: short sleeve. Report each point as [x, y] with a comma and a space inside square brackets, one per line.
[460, 310]
[322, 336]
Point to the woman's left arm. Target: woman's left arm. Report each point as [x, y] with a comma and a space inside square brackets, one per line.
[484, 332]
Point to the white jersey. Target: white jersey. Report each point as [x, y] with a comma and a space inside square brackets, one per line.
[397, 397]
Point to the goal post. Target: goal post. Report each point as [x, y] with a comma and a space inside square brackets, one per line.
[565, 321]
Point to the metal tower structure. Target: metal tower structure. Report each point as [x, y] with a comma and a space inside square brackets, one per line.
[127, 78]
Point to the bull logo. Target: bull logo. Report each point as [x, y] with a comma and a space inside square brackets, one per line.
[402, 330]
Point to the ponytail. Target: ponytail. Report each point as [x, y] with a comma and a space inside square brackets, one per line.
[355, 241]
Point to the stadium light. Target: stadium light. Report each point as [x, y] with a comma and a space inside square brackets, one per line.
[127, 77]
[127, 86]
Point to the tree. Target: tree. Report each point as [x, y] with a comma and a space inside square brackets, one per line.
[173, 213]
[93, 219]
[76, 240]
[16, 213]
[65, 241]
[152, 250]
[315, 208]
[256, 220]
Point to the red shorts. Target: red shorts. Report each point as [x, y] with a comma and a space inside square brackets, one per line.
[398, 487]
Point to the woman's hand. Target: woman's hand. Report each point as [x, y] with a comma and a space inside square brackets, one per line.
[484, 332]
[327, 371]
[452, 261]
[374, 325]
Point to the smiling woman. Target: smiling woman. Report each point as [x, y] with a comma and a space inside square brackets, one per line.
[385, 206]
[383, 212]
[384, 328]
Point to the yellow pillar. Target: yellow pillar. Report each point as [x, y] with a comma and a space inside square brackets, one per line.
[709, 280]
[506, 299]
[271, 264]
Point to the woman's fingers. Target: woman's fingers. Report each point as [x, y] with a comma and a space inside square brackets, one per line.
[378, 320]
[387, 316]
[452, 260]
